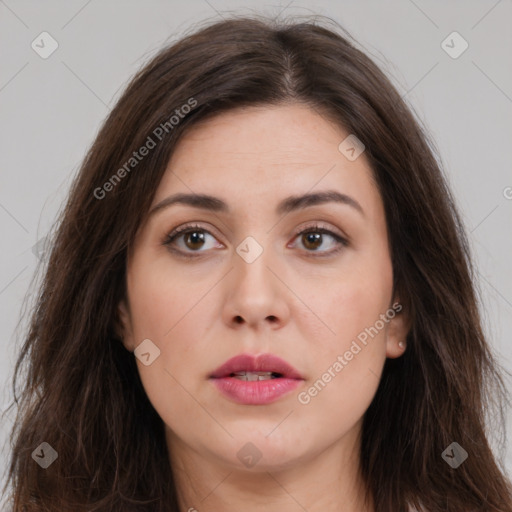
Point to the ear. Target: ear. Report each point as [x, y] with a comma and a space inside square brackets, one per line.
[398, 328]
[123, 325]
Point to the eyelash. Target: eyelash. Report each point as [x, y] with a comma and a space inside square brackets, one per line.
[314, 228]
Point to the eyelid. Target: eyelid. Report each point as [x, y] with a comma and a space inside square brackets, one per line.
[183, 230]
[320, 225]
[341, 239]
[189, 226]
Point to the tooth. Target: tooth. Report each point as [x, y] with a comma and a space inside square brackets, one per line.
[253, 376]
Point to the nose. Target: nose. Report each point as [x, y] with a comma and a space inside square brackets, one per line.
[255, 296]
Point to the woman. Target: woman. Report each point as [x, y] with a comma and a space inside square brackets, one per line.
[259, 295]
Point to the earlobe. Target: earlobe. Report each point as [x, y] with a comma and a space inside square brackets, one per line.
[398, 329]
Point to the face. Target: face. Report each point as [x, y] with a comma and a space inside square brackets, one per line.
[310, 284]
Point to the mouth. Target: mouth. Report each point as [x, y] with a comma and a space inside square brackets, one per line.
[250, 380]
[254, 376]
[251, 368]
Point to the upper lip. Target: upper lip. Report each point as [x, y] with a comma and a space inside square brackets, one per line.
[261, 363]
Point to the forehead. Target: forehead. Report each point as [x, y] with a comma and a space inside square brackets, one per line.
[259, 153]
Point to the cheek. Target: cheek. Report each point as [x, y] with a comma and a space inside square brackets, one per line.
[353, 303]
[348, 364]
[175, 323]
[173, 311]
[351, 354]
[161, 297]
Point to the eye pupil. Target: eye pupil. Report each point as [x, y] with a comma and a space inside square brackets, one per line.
[313, 239]
[195, 236]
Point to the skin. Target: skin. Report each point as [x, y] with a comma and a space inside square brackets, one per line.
[306, 310]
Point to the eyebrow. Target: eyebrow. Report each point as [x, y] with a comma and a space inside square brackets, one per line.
[287, 205]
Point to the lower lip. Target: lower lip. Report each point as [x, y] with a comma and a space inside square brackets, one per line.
[259, 392]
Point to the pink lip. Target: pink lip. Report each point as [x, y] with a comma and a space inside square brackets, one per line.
[255, 392]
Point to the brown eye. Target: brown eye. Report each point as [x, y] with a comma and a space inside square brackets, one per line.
[187, 240]
[312, 240]
[314, 237]
[194, 239]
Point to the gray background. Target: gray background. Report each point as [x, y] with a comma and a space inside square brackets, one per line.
[52, 108]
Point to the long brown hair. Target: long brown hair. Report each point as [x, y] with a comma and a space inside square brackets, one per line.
[80, 389]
